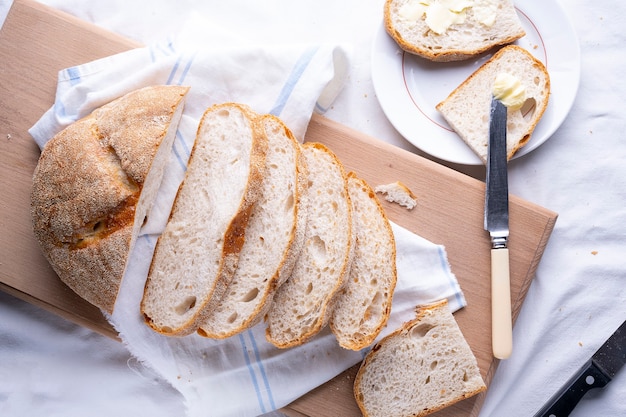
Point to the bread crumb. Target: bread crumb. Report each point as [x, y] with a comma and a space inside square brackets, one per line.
[397, 192]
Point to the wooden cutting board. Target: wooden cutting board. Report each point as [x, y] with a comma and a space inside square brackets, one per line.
[37, 41]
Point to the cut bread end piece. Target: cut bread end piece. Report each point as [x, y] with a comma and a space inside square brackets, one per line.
[439, 368]
[197, 254]
[364, 304]
[477, 29]
[303, 304]
[87, 218]
[397, 192]
[274, 237]
[467, 108]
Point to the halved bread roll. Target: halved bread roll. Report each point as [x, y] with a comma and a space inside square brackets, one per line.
[364, 304]
[197, 254]
[422, 367]
[303, 304]
[95, 183]
[274, 237]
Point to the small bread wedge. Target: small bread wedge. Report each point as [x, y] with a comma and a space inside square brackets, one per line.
[303, 304]
[364, 304]
[274, 237]
[197, 254]
[422, 367]
[467, 108]
[95, 183]
[477, 27]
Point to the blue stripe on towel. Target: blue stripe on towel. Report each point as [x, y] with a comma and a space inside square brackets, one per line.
[292, 80]
[74, 75]
[252, 373]
[451, 280]
[183, 156]
[186, 70]
[173, 72]
[259, 362]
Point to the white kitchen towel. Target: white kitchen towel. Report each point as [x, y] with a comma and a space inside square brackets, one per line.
[242, 375]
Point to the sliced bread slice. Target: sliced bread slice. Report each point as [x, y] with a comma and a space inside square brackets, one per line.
[451, 31]
[274, 237]
[196, 255]
[467, 108]
[95, 183]
[303, 304]
[422, 367]
[364, 304]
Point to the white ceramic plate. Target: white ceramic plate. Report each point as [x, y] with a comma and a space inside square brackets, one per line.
[409, 87]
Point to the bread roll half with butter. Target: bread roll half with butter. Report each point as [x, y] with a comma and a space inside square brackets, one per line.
[467, 108]
[94, 184]
[444, 31]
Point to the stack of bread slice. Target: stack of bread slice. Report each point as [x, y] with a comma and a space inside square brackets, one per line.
[264, 227]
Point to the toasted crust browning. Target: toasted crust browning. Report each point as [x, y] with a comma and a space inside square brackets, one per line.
[364, 304]
[95, 182]
[439, 368]
[466, 109]
[460, 41]
[197, 254]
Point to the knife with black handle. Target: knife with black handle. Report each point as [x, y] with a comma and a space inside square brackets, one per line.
[596, 373]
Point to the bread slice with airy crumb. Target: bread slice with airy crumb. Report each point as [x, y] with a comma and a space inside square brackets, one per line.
[467, 108]
[274, 237]
[434, 31]
[423, 367]
[303, 304]
[364, 304]
[197, 254]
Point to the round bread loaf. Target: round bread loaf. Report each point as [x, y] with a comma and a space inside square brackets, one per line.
[94, 184]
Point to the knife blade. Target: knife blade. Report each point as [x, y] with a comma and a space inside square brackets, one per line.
[497, 224]
[595, 373]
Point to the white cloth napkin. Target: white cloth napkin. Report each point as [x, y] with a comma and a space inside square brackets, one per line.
[242, 375]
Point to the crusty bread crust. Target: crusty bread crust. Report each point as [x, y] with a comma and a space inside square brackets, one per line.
[423, 345]
[364, 304]
[88, 182]
[197, 254]
[466, 109]
[274, 236]
[304, 303]
[460, 41]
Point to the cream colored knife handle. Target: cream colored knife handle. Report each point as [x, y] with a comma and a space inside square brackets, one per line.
[501, 322]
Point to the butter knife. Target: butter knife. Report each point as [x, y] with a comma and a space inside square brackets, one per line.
[497, 224]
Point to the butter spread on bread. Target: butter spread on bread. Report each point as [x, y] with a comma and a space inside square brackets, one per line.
[422, 367]
[467, 108]
[197, 254]
[451, 30]
[95, 183]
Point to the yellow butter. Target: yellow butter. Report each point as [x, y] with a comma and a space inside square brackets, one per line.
[509, 90]
[439, 18]
[413, 10]
[485, 11]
